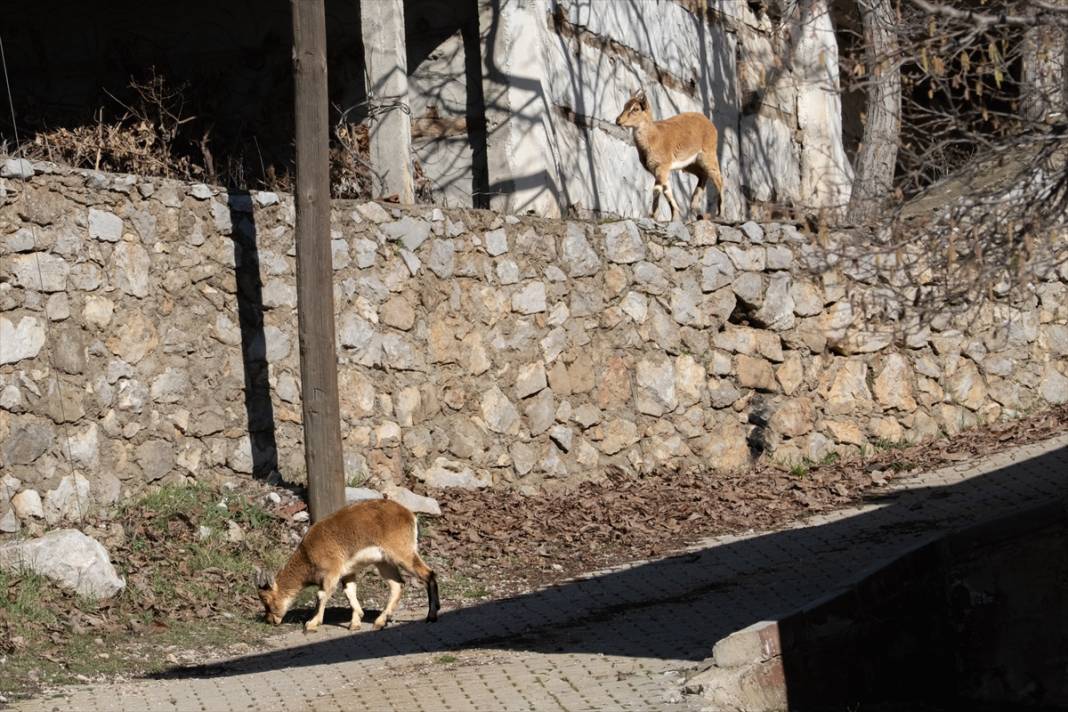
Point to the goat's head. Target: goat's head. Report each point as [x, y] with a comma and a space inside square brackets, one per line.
[273, 604]
[635, 111]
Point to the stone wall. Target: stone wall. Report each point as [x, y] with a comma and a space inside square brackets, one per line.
[148, 334]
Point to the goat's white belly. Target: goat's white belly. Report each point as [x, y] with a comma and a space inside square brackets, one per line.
[684, 162]
[365, 557]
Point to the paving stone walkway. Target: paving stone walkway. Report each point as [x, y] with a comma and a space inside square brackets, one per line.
[615, 640]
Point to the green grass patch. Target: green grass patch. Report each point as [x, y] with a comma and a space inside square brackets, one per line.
[884, 444]
[185, 591]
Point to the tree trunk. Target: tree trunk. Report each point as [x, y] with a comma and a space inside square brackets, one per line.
[315, 284]
[1042, 74]
[876, 160]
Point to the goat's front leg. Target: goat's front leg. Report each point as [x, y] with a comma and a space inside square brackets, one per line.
[671, 201]
[326, 590]
[657, 189]
[357, 611]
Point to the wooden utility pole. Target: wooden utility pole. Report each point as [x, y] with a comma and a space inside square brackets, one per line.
[386, 60]
[315, 287]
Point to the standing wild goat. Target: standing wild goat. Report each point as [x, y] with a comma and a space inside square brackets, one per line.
[687, 141]
[338, 548]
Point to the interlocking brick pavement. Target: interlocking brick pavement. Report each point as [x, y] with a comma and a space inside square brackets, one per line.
[620, 639]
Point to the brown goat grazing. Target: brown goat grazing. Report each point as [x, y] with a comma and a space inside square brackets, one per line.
[375, 532]
[686, 141]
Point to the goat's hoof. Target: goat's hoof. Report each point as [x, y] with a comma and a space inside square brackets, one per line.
[355, 625]
[311, 627]
[380, 624]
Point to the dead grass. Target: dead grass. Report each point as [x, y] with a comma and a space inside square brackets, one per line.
[187, 590]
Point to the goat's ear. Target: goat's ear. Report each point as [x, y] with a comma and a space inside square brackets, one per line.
[264, 580]
[642, 99]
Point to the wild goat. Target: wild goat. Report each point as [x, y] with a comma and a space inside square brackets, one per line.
[686, 141]
[376, 532]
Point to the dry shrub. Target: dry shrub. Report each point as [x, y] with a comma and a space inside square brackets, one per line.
[157, 134]
[150, 137]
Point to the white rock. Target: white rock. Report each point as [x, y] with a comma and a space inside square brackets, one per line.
[22, 341]
[8, 487]
[104, 225]
[68, 557]
[446, 473]
[1054, 386]
[579, 257]
[496, 242]
[9, 523]
[411, 232]
[11, 398]
[239, 459]
[414, 502]
[130, 266]
[562, 436]
[530, 380]
[656, 386]
[507, 271]
[442, 259]
[360, 494]
[275, 498]
[499, 413]
[265, 198]
[201, 191]
[17, 168]
[373, 212]
[530, 299]
[623, 243]
[58, 307]
[69, 501]
[234, 532]
[636, 306]
[40, 271]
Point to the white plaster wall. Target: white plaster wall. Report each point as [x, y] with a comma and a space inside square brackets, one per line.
[520, 143]
[600, 168]
[791, 151]
[440, 82]
[826, 173]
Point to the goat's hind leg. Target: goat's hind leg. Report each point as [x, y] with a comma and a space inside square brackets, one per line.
[393, 577]
[357, 611]
[709, 164]
[418, 568]
[697, 200]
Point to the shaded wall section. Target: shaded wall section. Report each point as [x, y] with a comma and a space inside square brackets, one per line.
[978, 620]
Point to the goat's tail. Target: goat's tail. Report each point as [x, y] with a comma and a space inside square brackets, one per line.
[430, 579]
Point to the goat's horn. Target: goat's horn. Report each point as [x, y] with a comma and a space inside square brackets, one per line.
[263, 580]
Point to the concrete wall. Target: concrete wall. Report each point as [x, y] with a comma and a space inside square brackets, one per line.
[970, 620]
[158, 342]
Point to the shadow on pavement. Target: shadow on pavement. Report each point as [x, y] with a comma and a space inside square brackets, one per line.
[677, 608]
